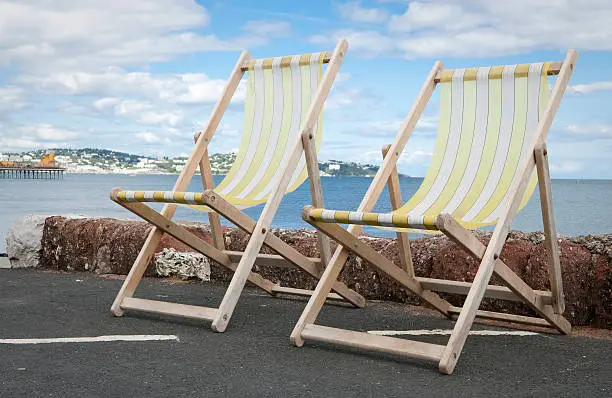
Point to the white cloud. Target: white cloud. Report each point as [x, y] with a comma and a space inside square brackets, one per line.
[148, 137]
[129, 107]
[114, 82]
[39, 34]
[46, 132]
[432, 16]
[353, 11]
[422, 158]
[426, 124]
[143, 112]
[156, 118]
[11, 98]
[104, 103]
[482, 28]
[268, 28]
[588, 131]
[35, 136]
[368, 42]
[342, 98]
[590, 87]
[89, 35]
[199, 88]
[566, 167]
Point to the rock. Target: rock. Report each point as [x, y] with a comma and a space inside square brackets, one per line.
[105, 245]
[102, 245]
[24, 241]
[184, 265]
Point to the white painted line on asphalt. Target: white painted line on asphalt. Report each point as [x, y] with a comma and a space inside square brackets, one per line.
[446, 332]
[97, 339]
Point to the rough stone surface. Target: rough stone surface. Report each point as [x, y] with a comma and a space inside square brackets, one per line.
[183, 265]
[23, 241]
[110, 246]
[101, 245]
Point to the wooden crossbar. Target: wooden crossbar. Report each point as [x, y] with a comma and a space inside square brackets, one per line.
[166, 308]
[302, 292]
[501, 316]
[273, 260]
[327, 56]
[391, 345]
[553, 69]
[493, 291]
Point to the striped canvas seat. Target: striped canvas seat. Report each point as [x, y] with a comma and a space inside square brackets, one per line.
[487, 119]
[279, 93]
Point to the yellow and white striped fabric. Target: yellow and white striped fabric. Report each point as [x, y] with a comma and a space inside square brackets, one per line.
[487, 119]
[392, 220]
[279, 93]
[186, 198]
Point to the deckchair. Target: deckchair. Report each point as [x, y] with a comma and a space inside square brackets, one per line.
[490, 153]
[282, 130]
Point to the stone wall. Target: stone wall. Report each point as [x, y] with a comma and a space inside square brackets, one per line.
[110, 246]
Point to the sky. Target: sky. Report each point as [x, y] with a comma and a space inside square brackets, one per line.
[141, 76]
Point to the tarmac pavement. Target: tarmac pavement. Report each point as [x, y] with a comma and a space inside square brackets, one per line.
[254, 356]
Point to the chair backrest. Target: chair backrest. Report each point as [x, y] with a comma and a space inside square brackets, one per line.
[279, 93]
[487, 119]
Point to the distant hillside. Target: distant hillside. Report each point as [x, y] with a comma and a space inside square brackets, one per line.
[339, 168]
[90, 160]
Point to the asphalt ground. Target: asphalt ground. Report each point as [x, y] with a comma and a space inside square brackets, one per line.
[254, 356]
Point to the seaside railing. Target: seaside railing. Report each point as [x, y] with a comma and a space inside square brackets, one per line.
[35, 173]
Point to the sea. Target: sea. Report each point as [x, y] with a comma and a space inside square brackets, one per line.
[582, 207]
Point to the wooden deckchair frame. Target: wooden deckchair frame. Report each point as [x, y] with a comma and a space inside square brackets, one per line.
[259, 230]
[548, 305]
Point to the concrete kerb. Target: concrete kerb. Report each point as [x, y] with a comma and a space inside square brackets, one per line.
[4, 263]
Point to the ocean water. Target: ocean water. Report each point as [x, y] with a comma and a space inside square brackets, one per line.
[582, 207]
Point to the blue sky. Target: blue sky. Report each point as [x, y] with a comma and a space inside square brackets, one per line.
[141, 76]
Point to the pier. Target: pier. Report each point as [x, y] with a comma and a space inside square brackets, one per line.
[31, 173]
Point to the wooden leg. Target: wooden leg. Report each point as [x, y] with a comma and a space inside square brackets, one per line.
[142, 261]
[329, 277]
[395, 194]
[137, 271]
[466, 317]
[550, 229]
[316, 192]
[213, 218]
